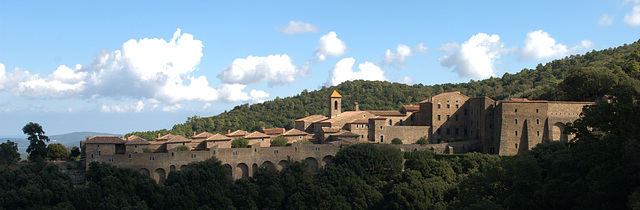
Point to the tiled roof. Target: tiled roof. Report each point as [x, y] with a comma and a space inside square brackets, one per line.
[440, 95]
[387, 113]
[330, 130]
[105, 140]
[237, 133]
[346, 134]
[411, 108]
[257, 135]
[312, 118]
[134, 140]
[360, 121]
[295, 132]
[218, 137]
[202, 135]
[343, 115]
[163, 138]
[273, 131]
[335, 94]
[176, 139]
[378, 118]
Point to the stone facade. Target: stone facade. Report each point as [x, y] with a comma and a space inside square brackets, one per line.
[452, 122]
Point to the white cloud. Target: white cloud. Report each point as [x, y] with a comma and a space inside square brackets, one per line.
[124, 107]
[234, 93]
[258, 96]
[296, 27]
[329, 44]
[172, 108]
[540, 45]
[397, 58]
[421, 48]
[406, 80]
[605, 19]
[343, 71]
[206, 105]
[633, 18]
[474, 58]
[275, 69]
[9, 80]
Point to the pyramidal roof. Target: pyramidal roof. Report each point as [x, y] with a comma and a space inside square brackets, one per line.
[335, 94]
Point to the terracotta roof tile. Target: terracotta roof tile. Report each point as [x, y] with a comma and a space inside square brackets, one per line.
[105, 140]
[171, 138]
[134, 140]
[295, 132]
[257, 135]
[411, 108]
[330, 130]
[273, 131]
[237, 133]
[202, 135]
[343, 115]
[346, 134]
[440, 95]
[312, 118]
[163, 138]
[360, 121]
[218, 137]
[387, 113]
[335, 94]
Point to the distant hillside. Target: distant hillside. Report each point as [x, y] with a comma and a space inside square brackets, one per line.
[68, 140]
[576, 77]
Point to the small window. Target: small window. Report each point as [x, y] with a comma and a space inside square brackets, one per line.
[234, 153]
[439, 105]
[516, 133]
[400, 122]
[516, 110]
[99, 152]
[183, 144]
[357, 125]
[536, 110]
[110, 159]
[516, 145]
[538, 132]
[381, 127]
[538, 121]
[262, 139]
[91, 156]
[438, 117]
[516, 121]
[172, 154]
[381, 138]
[129, 156]
[213, 152]
[317, 149]
[151, 158]
[295, 149]
[300, 137]
[448, 117]
[448, 106]
[457, 106]
[275, 151]
[255, 149]
[390, 122]
[135, 146]
[193, 155]
[98, 145]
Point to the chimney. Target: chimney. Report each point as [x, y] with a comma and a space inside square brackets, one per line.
[229, 131]
[356, 107]
[86, 137]
[194, 133]
[158, 135]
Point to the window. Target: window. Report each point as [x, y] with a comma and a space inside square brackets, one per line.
[439, 105]
[317, 149]
[275, 151]
[516, 121]
[91, 156]
[516, 133]
[390, 122]
[193, 155]
[400, 122]
[110, 159]
[448, 106]
[300, 137]
[357, 125]
[538, 132]
[98, 152]
[538, 121]
[457, 106]
[152, 158]
[536, 110]
[172, 154]
[516, 110]
[255, 149]
[129, 156]
[98, 145]
[135, 146]
[183, 144]
[234, 153]
[335, 105]
[362, 136]
[213, 152]
[295, 149]
[381, 138]
[381, 127]
[516, 146]
[262, 139]
[438, 117]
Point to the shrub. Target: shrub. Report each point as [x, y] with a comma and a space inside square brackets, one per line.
[240, 143]
[183, 148]
[423, 141]
[279, 141]
[146, 150]
[396, 141]
[305, 141]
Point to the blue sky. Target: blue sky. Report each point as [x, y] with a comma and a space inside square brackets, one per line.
[122, 66]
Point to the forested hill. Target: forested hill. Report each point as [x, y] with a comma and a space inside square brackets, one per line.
[576, 77]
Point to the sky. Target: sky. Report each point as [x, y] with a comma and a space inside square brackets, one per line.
[123, 66]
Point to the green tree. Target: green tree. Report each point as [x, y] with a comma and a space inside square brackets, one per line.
[57, 151]
[9, 152]
[423, 141]
[240, 143]
[75, 153]
[396, 141]
[183, 148]
[279, 141]
[373, 163]
[305, 141]
[37, 147]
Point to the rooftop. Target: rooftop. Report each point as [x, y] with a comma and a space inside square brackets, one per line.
[295, 132]
[105, 140]
[273, 131]
[335, 94]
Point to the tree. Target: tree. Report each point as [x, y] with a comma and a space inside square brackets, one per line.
[9, 153]
[183, 148]
[423, 141]
[396, 141]
[37, 148]
[75, 153]
[57, 151]
[240, 143]
[279, 141]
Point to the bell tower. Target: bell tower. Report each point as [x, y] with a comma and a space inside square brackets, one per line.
[335, 104]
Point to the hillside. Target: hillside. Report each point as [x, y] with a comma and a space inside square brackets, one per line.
[576, 77]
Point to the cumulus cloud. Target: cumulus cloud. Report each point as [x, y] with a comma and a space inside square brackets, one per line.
[475, 57]
[540, 45]
[9, 80]
[234, 93]
[343, 71]
[124, 107]
[406, 80]
[605, 19]
[329, 44]
[633, 18]
[296, 27]
[397, 58]
[421, 48]
[275, 69]
[172, 108]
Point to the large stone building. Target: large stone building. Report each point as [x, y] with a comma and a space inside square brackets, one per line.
[452, 122]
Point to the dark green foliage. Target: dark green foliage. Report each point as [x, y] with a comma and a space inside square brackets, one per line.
[9, 153]
[240, 143]
[205, 184]
[183, 148]
[75, 153]
[305, 141]
[373, 163]
[279, 141]
[37, 147]
[34, 186]
[423, 141]
[57, 151]
[396, 141]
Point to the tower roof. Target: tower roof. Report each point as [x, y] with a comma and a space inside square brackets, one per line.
[335, 94]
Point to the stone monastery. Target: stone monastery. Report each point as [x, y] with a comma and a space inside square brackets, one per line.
[452, 122]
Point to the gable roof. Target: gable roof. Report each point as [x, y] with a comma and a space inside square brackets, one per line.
[441, 95]
[218, 137]
[105, 140]
[330, 130]
[237, 133]
[346, 134]
[335, 94]
[387, 113]
[410, 108]
[171, 138]
[257, 135]
[312, 118]
[295, 132]
[163, 138]
[135, 140]
[273, 131]
[344, 115]
[202, 135]
[360, 121]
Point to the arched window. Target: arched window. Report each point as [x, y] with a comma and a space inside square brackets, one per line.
[335, 105]
[381, 138]
[390, 122]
